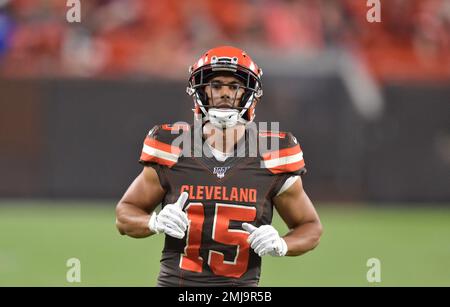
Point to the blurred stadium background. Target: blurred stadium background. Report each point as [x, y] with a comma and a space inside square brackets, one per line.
[369, 103]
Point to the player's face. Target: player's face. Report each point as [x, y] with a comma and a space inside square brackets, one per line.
[224, 91]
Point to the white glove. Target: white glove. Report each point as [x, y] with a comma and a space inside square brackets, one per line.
[265, 240]
[171, 220]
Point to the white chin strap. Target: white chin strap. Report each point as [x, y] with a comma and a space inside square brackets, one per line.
[223, 118]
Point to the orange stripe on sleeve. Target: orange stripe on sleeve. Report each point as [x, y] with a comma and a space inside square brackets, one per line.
[162, 146]
[286, 168]
[282, 153]
[150, 158]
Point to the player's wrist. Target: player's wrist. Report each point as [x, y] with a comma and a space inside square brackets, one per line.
[152, 223]
[283, 248]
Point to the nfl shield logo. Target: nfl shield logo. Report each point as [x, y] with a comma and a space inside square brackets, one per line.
[220, 171]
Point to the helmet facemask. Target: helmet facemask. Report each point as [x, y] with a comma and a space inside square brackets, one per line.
[242, 112]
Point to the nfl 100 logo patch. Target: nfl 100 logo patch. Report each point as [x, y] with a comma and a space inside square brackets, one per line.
[220, 171]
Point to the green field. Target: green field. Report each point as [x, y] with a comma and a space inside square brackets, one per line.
[37, 238]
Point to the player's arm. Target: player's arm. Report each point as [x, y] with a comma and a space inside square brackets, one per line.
[141, 198]
[299, 214]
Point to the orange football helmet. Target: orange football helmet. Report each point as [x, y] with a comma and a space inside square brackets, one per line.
[225, 60]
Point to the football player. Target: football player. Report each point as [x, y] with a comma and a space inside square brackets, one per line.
[217, 207]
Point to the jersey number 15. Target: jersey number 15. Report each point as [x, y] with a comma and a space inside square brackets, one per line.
[224, 213]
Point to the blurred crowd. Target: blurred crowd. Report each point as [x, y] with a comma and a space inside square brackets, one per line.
[162, 37]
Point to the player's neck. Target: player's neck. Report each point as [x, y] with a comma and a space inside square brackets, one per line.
[223, 140]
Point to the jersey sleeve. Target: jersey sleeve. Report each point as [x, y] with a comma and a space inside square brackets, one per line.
[287, 159]
[158, 153]
[157, 149]
[286, 162]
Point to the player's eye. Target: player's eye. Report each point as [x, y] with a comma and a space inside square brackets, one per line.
[234, 86]
[216, 86]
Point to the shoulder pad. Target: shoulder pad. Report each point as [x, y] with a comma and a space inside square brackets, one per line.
[287, 157]
[158, 148]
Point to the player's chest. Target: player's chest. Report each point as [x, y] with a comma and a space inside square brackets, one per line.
[237, 182]
[238, 179]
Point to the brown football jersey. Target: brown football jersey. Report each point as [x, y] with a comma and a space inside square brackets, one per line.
[222, 196]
